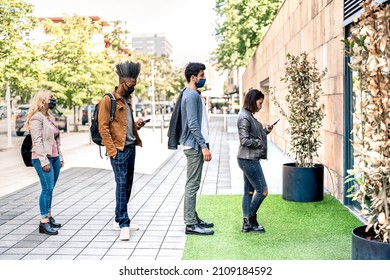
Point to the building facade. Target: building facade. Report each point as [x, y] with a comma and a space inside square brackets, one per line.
[317, 28]
[152, 44]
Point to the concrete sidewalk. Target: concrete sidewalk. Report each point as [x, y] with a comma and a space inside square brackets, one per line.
[84, 202]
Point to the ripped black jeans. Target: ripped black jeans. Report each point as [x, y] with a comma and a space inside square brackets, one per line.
[254, 186]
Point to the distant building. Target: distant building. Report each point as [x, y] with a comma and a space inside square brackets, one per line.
[152, 44]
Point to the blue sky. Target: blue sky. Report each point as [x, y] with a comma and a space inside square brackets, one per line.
[189, 25]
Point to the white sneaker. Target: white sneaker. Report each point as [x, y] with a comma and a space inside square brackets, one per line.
[125, 234]
[133, 226]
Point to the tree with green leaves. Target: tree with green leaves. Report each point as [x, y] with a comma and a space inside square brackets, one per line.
[18, 59]
[76, 70]
[115, 38]
[168, 81]
[240, 27]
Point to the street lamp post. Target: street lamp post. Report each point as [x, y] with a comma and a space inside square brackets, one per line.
[153, 99]
[8, 99]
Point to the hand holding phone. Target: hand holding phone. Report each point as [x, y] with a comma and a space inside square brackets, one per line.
[270, 127]
[146, 121]
[275, 122]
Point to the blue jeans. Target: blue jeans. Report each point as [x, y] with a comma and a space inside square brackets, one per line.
[123, 167]
[254, 186]
[48, 181]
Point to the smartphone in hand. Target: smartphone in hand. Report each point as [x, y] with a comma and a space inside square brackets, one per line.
[275, 122]
[146, 121]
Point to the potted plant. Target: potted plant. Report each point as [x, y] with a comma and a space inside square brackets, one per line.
[370, 177]
[303, 180]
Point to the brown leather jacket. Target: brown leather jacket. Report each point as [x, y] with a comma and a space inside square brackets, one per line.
[114, 133]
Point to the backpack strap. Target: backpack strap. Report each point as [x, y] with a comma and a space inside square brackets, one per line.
[112, 114]
[113, 106]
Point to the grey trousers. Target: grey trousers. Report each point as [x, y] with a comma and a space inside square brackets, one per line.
[194, 175]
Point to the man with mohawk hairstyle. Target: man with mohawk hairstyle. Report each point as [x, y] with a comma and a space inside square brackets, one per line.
[120, 136]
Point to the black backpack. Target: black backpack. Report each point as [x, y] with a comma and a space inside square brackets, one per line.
[25, 150]
[94, 129]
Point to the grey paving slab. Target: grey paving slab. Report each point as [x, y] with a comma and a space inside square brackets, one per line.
[114, 257]
[176, 253]
[18, 251]
[75, 244]
[69, 251]
[43, 251]
[94, 251]
[145, 252]
[2, 249]
[143, 258]
[62, 257]
[88, 257]
[27, 244]
[51, 244]
[36, 257]
[104, 245]
[120, 252]
[11, 257]
[125, 245]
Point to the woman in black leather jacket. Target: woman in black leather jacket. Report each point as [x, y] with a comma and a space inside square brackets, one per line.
[253, 147]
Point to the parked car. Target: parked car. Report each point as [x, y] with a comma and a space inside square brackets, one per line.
[3, 112]
[61, 119]
[84, 117]
[140, 110]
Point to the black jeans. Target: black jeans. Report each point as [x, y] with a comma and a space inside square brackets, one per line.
[254, 186]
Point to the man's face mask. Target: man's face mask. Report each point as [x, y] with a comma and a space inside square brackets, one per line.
[200, 83]
[52, 103]
[129, 90]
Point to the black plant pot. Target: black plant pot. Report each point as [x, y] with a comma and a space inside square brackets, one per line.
[303, 184]
[366, 249]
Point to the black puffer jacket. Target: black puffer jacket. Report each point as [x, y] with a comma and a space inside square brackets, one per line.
[253, 137]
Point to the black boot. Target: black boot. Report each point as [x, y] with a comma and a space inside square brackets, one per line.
[53, 223]
[246, 225]
[198, 229]
[203, 223]
[47, 229]
[255, 227]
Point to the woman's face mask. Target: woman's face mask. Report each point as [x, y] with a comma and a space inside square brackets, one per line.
[52, 103]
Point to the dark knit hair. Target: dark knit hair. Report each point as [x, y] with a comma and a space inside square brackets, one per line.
[128, 69]
[250, 100]
[193, 68]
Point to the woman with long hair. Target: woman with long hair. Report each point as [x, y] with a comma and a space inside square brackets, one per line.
[46, 155]
[253, 147]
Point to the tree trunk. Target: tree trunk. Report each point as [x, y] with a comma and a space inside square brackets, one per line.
[75, 119]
